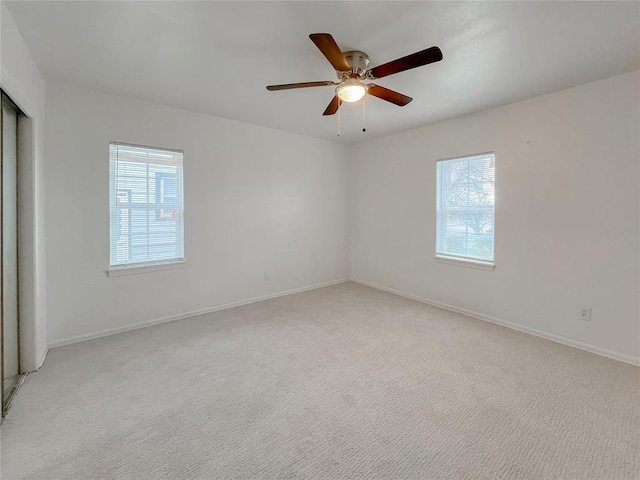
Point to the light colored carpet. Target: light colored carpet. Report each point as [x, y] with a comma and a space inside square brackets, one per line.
[344, 382]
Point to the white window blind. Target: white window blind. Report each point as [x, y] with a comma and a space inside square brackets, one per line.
[146, 205]
[465, 207]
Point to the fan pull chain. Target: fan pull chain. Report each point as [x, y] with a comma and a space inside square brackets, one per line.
[364, 102]
[338, 117]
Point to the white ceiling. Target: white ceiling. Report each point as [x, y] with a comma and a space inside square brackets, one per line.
[217, 57]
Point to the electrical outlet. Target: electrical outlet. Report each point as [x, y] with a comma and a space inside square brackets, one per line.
[267, 276]
[584, 314]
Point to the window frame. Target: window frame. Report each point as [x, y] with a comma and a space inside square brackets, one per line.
[145, 266]
[462, 260]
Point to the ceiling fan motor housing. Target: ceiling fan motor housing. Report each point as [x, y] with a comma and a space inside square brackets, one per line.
[358, 61]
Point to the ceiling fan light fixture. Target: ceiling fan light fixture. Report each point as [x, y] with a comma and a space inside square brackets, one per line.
[352, 70]
[351, 91]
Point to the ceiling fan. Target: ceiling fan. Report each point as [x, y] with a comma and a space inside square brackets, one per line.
[351, 70]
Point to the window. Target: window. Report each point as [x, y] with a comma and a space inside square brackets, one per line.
[146, 205]
[465, 207]
[166, 194]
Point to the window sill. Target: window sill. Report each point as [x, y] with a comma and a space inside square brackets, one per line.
[465, 262]
[144, 268]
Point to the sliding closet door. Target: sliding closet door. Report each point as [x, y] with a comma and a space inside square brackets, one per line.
[9, 277]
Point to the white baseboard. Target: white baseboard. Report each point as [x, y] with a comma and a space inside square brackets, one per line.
[41, 358]
[622, 357]
[193, 313]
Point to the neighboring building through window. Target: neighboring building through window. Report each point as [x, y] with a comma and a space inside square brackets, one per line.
[146, 205]
[465, 207]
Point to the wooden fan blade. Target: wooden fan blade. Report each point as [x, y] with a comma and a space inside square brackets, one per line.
[333, 106]
[330, 49]
[288, 86]
[388, 95]
[418, 59]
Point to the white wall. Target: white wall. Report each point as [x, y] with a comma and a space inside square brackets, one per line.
[567, 171]
[256, 200]
[261, 200]
[22, 81]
